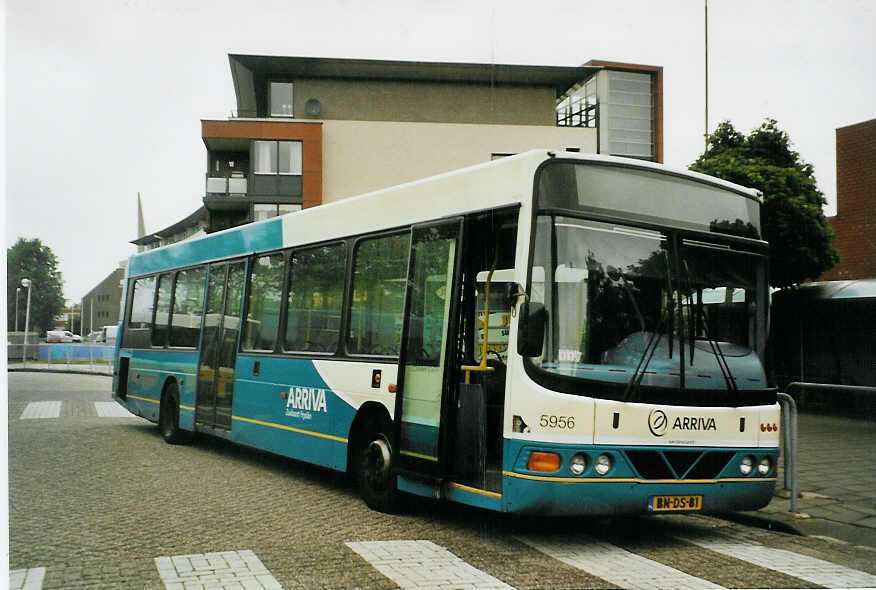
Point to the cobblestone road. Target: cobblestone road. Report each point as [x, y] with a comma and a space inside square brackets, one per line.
[100, 501]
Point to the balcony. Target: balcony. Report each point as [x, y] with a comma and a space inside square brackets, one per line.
[222, 185]
[226, 193]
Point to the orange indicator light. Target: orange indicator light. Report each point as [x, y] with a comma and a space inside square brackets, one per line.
[542, 461]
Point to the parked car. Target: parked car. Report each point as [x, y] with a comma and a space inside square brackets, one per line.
[62, 336]
[95, 336]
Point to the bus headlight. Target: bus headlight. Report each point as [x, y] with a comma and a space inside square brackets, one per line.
[602, 465]
[764, 466]
[746, 465]
[578, 464]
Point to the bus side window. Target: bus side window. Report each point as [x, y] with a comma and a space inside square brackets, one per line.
[316, 291]
[188, 304]
[138, 330]
[263, 305]
[380, 272]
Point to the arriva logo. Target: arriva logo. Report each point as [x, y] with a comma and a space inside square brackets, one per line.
[310, 399]
[657, 422]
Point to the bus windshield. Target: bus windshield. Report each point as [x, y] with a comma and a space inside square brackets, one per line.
[642, 308]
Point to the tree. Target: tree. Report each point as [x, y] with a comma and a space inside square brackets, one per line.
[792, 219]
[32, 260]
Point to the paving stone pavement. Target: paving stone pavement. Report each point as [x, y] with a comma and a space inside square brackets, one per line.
[837, 479]
[99, 501]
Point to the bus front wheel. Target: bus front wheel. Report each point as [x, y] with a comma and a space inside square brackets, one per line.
[168, 416]
[375, 474]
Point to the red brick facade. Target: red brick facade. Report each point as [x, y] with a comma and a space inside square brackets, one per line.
[855, 221]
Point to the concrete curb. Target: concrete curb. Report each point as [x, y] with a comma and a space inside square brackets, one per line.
[59, 371]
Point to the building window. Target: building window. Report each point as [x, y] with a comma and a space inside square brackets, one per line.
[281, 99]
[578, 108]
[277, 157]
[630, 115]
[261, 211]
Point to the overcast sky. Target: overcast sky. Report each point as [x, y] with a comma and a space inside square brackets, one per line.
[104, 98]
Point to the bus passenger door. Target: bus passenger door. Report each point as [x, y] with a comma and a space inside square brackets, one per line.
[428, 351]
[219, 345]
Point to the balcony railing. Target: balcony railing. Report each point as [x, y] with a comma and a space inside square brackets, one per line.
[578, 112]
[220, 185]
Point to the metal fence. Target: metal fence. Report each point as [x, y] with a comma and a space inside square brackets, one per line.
[87, 357]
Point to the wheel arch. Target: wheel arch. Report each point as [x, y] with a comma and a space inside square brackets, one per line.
[170, 380]
[368, 412]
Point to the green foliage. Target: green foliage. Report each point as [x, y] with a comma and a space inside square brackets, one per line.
[792, 219]
[31, 259]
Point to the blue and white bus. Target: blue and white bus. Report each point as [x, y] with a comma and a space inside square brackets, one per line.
[549, 333]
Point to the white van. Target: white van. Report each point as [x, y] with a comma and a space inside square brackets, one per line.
[108, 334]
[62, 336]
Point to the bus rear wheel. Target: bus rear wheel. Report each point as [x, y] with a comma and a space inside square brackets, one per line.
[168, 417]
[376, 479]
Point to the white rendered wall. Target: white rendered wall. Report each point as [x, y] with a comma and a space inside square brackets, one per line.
[362, 156]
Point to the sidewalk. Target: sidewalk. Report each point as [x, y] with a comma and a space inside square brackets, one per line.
[837, 481]
[76, 368]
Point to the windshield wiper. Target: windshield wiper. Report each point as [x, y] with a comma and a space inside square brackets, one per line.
[653, 342]
[647, 354]
[702, 321]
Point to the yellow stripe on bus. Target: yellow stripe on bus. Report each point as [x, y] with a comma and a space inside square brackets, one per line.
[634, 480]
[459, 486]
[290, 428]
[419, 456]
[144, 399]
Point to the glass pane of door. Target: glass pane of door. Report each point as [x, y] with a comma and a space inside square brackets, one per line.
[425, 356]
[227, 354]
[205, 410]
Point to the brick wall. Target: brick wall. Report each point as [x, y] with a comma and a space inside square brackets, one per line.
[855, 221]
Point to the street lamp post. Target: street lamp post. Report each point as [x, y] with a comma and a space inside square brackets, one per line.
[17, 292]
[26, 284]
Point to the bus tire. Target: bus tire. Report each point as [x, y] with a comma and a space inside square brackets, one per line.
[168, 416]
[375, 476]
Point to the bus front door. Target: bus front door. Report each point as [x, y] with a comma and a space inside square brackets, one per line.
[219, 345]
[427, 352]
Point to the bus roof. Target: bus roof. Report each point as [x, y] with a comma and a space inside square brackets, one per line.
[498, 183]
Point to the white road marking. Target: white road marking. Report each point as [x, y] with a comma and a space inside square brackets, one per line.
[811, 569]
[614, 564]
[423, 564]
[112, 410]
[226, 569]
[27, 579]
[41, 410]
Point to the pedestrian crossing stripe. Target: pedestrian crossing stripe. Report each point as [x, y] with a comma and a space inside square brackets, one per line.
[614, 564]
[27, 579]
[811, 569]
[39, 410]
[225, 569]
[111, 410]
[423, 564]
[52, 409]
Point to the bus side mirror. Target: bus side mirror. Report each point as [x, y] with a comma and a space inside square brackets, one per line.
[513, 291]
[530, 335]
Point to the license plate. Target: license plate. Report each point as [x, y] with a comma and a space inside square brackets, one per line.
[674, 503]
